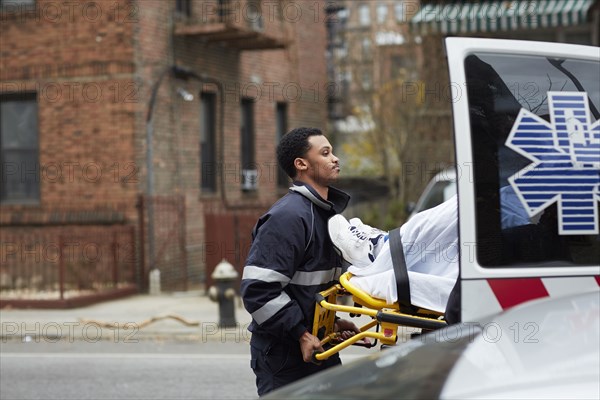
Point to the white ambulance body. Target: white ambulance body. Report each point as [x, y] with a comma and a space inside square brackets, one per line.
[527, 138]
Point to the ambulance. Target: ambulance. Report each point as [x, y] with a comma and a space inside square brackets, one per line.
[527, 141]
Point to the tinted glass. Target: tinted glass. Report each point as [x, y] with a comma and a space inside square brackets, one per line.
[536, 150]
[19, 167]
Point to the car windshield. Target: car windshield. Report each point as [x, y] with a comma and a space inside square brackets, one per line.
[536, 151]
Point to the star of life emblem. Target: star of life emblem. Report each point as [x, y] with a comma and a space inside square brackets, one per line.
[566, 162]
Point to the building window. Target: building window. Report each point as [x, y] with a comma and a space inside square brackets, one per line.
[399, 11]
[7, 4]
[208, 160]
[19, 149]
[382, 10]
[345, 81]
[183, 7]
[249, 171]
[343, 15]
[281, 121]
[341, 52]
[253, 15]
[367, 82]
[347, 76]
[366, 48]
[364, 15]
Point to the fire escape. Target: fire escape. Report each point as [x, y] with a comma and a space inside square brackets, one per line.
[239, 24]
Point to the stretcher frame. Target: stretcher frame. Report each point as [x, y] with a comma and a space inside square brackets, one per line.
[386, 318]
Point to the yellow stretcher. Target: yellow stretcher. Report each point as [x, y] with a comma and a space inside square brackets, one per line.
[386, 318]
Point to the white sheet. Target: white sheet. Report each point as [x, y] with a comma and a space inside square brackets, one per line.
[430, 244]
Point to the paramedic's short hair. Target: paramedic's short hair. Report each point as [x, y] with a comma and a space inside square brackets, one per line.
[294, 144]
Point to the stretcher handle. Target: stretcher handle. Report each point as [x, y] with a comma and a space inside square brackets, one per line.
[335, 338]
[314, 359]
[362, 343]
[323, 355]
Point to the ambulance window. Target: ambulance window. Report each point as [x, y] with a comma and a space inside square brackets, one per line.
[536, 154]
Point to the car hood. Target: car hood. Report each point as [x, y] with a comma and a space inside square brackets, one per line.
[542, 349]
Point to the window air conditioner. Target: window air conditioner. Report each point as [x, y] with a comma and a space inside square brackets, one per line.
[249, 179]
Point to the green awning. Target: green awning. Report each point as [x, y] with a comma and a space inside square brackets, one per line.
[501, 15]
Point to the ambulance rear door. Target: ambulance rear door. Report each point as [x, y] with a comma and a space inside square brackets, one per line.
[527, 138]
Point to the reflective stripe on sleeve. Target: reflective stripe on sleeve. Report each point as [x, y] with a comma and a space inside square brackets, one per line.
[271, 308]
[304, 278]
[264, 274]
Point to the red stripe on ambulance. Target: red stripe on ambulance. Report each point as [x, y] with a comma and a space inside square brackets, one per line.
[485, 297]
[511, 292]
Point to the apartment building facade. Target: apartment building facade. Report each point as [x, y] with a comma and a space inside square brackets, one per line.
[140, 135]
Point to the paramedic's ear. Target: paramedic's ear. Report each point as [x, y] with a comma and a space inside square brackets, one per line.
[300, 164]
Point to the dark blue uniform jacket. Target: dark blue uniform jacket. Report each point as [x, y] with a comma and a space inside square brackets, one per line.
[290, 260]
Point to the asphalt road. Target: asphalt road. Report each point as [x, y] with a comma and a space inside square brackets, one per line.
[144, 370]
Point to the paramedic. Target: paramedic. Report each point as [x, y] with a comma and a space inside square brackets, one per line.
[290, 260]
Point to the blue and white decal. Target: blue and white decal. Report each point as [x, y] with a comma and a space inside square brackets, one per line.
[566, 162]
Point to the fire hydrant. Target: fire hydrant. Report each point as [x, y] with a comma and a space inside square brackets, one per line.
[223, 293]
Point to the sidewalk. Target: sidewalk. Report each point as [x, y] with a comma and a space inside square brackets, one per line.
[181, 316]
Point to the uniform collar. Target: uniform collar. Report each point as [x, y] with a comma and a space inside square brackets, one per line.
[338, 200]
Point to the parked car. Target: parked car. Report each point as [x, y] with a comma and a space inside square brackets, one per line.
[439, 189]
[548, 348]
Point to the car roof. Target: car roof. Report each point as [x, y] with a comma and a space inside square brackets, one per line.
[448, 174]
[543, 348]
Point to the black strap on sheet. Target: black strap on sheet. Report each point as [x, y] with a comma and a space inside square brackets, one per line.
[399, 264]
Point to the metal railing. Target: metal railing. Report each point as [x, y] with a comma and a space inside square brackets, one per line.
[248, 14]
[59, 263]
[167, 251]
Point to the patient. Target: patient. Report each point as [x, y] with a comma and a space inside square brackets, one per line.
[430, 245]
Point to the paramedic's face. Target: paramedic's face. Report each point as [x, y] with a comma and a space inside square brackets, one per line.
[322, 165]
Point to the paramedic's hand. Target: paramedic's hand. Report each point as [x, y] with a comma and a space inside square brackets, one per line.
[308, 345]
[347, 329]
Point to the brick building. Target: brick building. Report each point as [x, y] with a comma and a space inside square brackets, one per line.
[141, 134]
